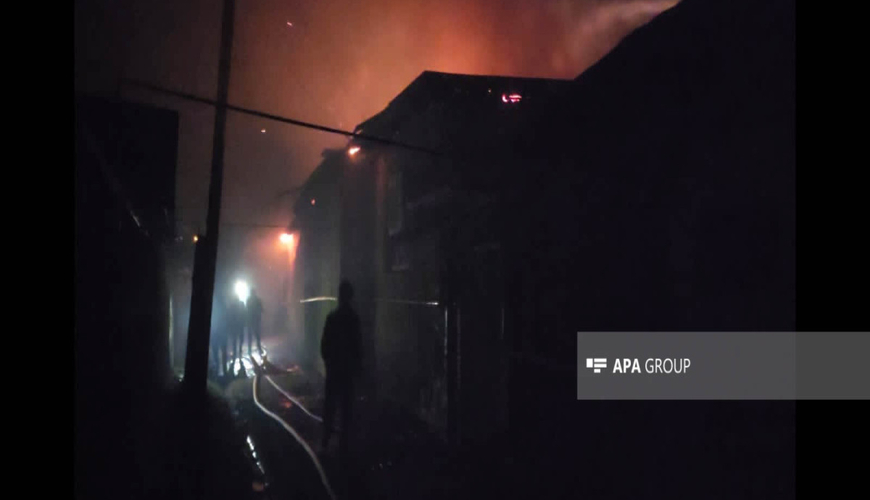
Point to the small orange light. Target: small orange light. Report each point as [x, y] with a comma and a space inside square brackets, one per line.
[354, 150]
[313, 201]
[195, 238]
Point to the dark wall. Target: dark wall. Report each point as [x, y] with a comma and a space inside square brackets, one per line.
[121, 309]
[661, 196]
[317, 258]
[666, 197]
[141, 143]
[358, 244]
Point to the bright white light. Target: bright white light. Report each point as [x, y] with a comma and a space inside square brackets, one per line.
[354, 150]
[286, 238]
[242, 291]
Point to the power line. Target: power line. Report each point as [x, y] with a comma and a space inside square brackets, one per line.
[282, 119]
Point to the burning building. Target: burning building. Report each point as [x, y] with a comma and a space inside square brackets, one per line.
[654, 192]
[419, 233]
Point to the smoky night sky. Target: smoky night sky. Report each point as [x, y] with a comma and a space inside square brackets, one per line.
[339, 63]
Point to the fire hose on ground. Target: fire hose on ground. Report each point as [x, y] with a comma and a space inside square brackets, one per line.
[288, 428]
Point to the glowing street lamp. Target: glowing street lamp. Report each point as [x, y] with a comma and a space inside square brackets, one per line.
[286, 238]
[353, 150]
[243, 291]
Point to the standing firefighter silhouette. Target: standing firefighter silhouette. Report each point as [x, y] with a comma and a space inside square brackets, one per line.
[340, 348]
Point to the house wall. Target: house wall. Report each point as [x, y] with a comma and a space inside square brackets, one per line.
[318, 264]
[357, 251]
[674, 208]
[122, 301]
[409, 323]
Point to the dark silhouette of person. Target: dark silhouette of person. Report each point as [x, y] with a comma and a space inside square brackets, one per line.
[340, 349]
[236, 328]
[219, 336]
[255, 320]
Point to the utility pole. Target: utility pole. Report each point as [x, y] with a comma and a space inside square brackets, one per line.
[205, 260]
